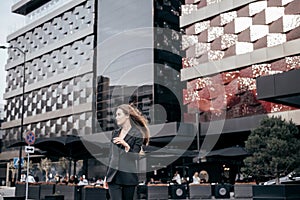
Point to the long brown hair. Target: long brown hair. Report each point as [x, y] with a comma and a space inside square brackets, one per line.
[137, 120]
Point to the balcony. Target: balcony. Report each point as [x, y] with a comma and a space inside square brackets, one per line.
[24, 7]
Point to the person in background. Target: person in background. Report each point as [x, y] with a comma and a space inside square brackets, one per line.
[83, 180]
[23, 177]
[99, 181]
[57, 178]
[152, 181]
[196, 178]
[177, 178]
[65, 179]
[126, 144]
[30, 178]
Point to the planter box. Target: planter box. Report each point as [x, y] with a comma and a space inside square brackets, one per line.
[70, 192]
[20, 189]
[33, 191]
[243, 190]
[157, 192]
[95, 193]
[200, 191]
[47, 190]
[278, 192]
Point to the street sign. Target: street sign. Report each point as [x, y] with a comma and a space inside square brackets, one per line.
[29, 149]
[30, 138]
[16, 162]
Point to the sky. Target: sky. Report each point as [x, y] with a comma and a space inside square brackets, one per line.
[9, 22]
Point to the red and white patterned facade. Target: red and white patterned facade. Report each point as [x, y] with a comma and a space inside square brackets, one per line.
[228, 44]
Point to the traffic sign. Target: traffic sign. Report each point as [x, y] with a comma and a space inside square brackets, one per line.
[30, 138]
[16, 162]
[29, 149]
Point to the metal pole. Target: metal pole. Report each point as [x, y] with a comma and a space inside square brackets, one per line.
[198, 131]
[26, 197]
[22, 113]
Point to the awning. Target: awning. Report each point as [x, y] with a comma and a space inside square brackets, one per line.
[235, 151]
[280, 88]
[69, 146]
[9, 155]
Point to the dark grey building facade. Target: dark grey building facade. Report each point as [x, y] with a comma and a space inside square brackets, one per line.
[85, 57]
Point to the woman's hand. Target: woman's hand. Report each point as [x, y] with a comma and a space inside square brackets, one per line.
[118, 140]
[105, 185]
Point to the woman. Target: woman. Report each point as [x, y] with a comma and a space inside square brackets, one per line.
[121, 177]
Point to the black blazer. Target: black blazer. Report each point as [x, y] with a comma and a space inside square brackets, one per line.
[122, 165]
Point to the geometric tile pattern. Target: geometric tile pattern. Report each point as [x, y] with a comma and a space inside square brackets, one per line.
[252, 26]
[48, 65]
[56, 96]
[78, 124]
[192, 5]
[54, 30]
[233, 94]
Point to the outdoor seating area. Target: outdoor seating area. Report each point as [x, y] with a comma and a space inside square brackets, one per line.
[52, 191]
[47, 191]
[190, 191]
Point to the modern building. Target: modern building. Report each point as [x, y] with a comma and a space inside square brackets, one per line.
[242, 63]
[85, 57]
[1, 121]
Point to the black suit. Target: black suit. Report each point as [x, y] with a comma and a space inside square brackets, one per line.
[122, 166]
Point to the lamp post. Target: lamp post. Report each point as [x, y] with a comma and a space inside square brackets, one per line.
[22, 110]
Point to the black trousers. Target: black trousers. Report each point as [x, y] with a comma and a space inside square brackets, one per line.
[121, 192]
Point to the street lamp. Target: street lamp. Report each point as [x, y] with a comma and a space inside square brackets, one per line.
[22, 110]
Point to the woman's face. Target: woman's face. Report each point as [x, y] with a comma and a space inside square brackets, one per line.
[121, 117]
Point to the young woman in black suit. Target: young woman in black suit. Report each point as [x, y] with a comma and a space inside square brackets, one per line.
[121, 177]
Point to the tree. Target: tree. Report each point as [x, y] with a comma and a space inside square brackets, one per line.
[46, 166]
[274, 147]
[63, 164]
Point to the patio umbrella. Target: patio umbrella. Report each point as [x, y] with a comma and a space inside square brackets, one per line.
[155, 151]
[234, 151]
[69, 146]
